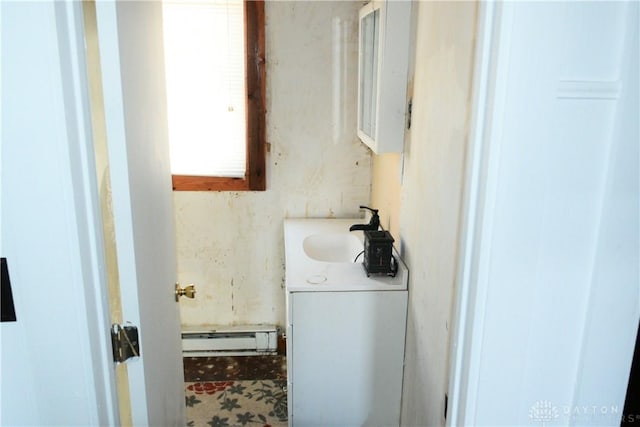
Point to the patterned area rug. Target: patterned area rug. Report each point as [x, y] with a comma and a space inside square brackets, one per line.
[236, 403]
[236, 391]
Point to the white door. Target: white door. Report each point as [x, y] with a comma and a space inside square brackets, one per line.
[132, 65]
[56, 366]
[55, 359]
[549, 299]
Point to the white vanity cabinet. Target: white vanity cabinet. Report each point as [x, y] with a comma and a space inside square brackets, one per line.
[383, 66]
[345, 354]
[345, 331]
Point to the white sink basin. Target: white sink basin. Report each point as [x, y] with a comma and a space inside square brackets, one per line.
[321, 255]
[332, 247]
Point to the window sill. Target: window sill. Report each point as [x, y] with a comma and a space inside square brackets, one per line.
[216, 183]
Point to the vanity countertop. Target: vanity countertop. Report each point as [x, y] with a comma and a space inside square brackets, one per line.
[312, 267]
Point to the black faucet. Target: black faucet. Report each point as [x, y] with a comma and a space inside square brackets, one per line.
[374, 223]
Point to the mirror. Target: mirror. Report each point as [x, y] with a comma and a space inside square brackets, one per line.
[369, 34]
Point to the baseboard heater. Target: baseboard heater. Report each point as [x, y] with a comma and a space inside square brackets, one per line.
[203, 341]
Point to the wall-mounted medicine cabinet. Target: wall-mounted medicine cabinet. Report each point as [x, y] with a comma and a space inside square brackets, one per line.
[383, 65]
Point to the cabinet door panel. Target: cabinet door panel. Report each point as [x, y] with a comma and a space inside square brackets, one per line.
[347, 357]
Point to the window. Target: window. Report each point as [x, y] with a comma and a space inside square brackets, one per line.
[215, 65]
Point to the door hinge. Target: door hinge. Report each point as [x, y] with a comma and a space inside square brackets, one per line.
[409, 111]
[124, 341]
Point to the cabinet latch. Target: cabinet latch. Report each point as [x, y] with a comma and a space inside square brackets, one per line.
[125, 343]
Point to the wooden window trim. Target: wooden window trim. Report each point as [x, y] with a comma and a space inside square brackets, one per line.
[254, 179]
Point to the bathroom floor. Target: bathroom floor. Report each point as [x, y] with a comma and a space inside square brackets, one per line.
[236, 391]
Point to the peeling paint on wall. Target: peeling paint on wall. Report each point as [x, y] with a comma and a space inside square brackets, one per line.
[231, 244]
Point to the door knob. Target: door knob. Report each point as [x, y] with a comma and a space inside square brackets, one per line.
[188, 291]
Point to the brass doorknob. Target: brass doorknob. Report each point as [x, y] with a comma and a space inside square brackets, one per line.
[188, 291]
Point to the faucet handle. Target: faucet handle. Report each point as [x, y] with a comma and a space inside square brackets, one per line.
[373, 211]
[374, 222]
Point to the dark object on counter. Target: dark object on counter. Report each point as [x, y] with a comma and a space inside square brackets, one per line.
[378, 253]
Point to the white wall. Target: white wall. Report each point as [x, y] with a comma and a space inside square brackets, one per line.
[54, 363]
[231, 244]
[431, 198]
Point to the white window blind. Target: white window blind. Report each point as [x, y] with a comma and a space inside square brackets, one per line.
[204, 59]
